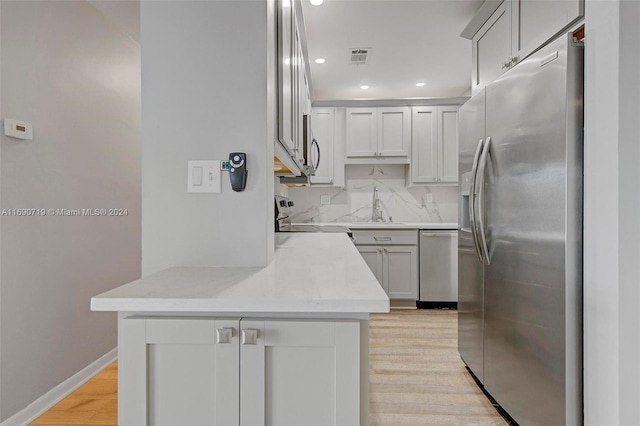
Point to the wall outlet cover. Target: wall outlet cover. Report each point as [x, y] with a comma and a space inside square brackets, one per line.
[18, 129]
[325, 200]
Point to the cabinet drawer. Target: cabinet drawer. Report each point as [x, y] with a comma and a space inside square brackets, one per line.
[385, 236]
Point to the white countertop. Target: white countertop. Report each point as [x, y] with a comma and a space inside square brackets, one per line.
[335, 226]
[310, 273]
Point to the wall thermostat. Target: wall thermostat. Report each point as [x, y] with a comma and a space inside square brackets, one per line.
[18, 129]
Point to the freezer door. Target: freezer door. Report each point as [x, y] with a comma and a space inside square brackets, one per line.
[532, 222]
[471, 128]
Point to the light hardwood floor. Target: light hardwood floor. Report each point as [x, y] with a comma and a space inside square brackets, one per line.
[417, 378]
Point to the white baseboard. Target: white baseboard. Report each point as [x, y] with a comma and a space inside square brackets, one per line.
[55, 395]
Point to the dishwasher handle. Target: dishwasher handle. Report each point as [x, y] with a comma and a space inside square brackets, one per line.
[438, 234]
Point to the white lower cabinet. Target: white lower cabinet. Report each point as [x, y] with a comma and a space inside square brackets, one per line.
[400, 266]
[372, 255]
[392, 256]
[300, 373]
[204, 371]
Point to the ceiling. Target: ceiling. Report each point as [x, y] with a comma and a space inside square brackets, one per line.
[411, 41]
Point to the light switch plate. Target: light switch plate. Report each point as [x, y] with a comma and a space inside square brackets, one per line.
[203, 176]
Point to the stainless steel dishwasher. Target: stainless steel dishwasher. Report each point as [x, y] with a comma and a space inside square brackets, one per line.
[438, 269]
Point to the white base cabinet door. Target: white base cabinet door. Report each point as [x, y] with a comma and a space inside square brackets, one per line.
[392, 256]
[178, 372]
[372, 255]
[401, 271]
[295, 373]
[247, 372]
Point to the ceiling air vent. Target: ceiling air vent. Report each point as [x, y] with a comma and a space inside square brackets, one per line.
[360, 55]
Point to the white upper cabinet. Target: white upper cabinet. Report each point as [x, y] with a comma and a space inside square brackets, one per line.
[378, 132]
[362, 132]
[424, 159]
[434, 157]
[535, 22]
[285, 78]
[491, 48]
[293, 87]
[323, 125]
[515, 30]
[448, 144]
[327, 125]
[394, 131]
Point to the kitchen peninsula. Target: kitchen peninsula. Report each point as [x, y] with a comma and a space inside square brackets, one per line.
[283, 344]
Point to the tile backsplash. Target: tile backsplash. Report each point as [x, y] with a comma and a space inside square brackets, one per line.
[354, 202]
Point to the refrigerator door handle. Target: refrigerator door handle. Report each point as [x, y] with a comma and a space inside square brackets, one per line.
[472, 198]
[481, 173]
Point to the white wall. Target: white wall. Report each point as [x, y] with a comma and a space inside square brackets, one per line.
[207, 72]
[612, 203]
[76, 78]
[629, 213]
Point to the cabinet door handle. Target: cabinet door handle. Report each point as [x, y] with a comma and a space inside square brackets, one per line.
[382, 238]
[384, 250]
[249, 336]
[224, 335]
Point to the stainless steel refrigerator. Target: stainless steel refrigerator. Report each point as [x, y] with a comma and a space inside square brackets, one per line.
[520, 236]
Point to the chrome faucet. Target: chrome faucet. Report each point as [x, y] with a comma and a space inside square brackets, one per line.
[376, 214]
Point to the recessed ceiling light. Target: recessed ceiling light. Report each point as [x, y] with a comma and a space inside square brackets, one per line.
[364, 87]
[420, 84]
[316, 2]
[320, 61]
